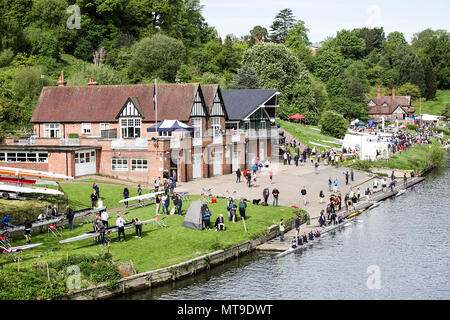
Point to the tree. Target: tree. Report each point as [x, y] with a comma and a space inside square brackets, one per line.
[297, 36]
[394, 44]
[159, 56]
[349, 109]
[430, 79]
[373, 38]
[411, 70]
[284, 20]
[258, 34]
[409, 89]
[350, 44]
[246, 78]
[328, 63]
[356, 80]
[333, 124]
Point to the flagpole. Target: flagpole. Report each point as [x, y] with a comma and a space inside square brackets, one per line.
[156, 118]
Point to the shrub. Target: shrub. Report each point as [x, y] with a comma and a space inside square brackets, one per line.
[333, 123]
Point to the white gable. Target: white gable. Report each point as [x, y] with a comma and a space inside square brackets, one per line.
[130, 110]
[371, 103]
[217, 109]
[198, 109]
[399, 110]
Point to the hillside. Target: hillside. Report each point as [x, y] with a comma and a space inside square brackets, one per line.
[435, 106]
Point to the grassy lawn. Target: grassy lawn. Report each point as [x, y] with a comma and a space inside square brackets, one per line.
[159, 247]
[434, 106]
[99, 181]
[307, 134]
[80, 194]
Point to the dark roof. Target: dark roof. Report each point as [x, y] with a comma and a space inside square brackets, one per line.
[392, 103]
[103, 103]
[46, 148]
[240, 103]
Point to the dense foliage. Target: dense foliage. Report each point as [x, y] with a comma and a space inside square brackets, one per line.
[135, 41]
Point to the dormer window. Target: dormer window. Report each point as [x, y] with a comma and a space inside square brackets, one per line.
[130, 128]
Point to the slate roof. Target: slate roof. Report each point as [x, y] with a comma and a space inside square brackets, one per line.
[239, 103]
[103, 103]
[392, 103]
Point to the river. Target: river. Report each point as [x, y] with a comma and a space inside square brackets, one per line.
[398, 250]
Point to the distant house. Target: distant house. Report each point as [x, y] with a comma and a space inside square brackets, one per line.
[390, 107]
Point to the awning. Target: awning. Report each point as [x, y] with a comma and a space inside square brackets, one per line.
[170, 126]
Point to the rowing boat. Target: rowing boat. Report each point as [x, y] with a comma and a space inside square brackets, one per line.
[291, 250]
[400, 193]
[94, 234]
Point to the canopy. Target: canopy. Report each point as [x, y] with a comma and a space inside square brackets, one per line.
[169, 126]
[297, 116]
[360, 123]
[194, 216]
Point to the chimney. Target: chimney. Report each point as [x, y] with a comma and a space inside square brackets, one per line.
[393, 92]
[61, 82]
[379, 93]
[92, 82]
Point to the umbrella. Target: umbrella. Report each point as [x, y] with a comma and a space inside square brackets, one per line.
[297, 116]
[170, 126]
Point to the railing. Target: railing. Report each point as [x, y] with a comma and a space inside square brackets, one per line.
[69, 142]
[129, 144]
[29, 141]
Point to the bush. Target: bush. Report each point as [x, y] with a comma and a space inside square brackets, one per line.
[333, 124]
[412, 127]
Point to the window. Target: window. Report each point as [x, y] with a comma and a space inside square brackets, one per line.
[216, 126]
[86, 128]
[52, 130]
[197, 124]
[104, 126]
[164, 133]
[118, 164]
[130, 127]
[23, 157]
[139, 165]
[85, 157]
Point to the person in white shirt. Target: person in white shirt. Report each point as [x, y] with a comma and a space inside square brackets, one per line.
[105, 218]
[41, 217]
[100, 203]
[120, 224]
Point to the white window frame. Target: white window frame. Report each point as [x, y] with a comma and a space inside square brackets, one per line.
[197, 123]
[130, 124]
[86, 128]
[52, 130]
[164, 133]
[104, 126]
[119, 164]
[139, 165]
[31, 157]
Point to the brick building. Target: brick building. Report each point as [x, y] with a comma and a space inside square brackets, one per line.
[390, 107]
[81, 130]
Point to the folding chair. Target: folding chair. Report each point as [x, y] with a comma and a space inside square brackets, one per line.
[184, 196]
[5, 240]
[123, 214]
[56, 231]
[161, 222]
[206, 195]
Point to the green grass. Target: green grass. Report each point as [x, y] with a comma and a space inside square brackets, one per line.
[160, 247]
[307, 134]
[80, 194]
[99, 181]
[435, 106]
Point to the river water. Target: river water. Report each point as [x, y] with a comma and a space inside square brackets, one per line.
[398, 250]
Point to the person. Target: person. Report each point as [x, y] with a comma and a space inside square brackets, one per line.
[179, 205]
[233, 209]
[335, 185]
[316, 167]
[358, 194]
[41, 217]
[392, 175]
[321, 196]
[120, 224]
[242, 208]
[163, 202]
[126, 195]
[392, 185]
[238, 175]
[104, 215]
[101, 229]
[266, 194]
[96, 189]
[157, 182]
[303, 192]
[99, 203]
[219, 225]
[297, 225]
[172, 186]
[329, 184]
[275, 194]
[352, 175]
[27, 224]
[281, 230]
[346, 178]
[367, 193]
[285, 158]
[54, 211]
[299, 240]
[158, 203]
[307, 218]
[305, 240]
[95, 227]
[375, 185]
[69, 215]
[294, 243]
[48, 212]
[139, 191]
[317, 234]
[321, 219]
[270, 176]
[93, 199]
[174, 178]
[249, 178]
[6, 221]
[138, 225]
[383, 184]
[175, 202]
[405, 180]
[207, 218]
[255, 168]
[310, 236]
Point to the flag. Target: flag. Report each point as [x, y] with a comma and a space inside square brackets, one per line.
[154, 97]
